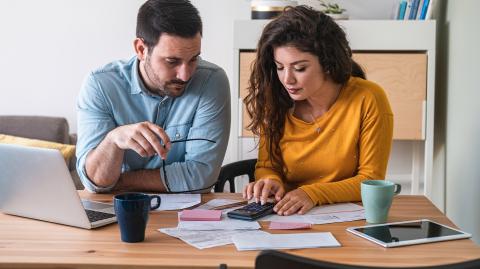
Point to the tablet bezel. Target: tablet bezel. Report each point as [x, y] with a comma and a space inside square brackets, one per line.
[462, 235]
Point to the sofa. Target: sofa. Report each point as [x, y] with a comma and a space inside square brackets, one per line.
[54, 129]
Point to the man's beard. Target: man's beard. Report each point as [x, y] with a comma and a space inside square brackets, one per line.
[172, 88]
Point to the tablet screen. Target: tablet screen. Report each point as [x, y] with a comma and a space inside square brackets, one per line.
[397, 232]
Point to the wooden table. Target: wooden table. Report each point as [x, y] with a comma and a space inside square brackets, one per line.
[26, 243]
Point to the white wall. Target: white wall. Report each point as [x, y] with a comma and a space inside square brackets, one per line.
[462, 112]
[49, 46]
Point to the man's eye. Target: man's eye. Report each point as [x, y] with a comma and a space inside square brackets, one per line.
[171, 61]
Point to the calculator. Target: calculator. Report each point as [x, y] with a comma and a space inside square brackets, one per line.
[251, 211]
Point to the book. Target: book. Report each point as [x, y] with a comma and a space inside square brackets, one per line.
[419, 9]
[413, 10]
[423, 13]
[407, 9]
[401, 9]
[428, 15]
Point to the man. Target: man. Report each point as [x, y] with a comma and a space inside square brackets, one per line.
[130, 113]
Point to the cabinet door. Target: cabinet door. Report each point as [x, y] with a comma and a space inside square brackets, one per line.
[246, 60]
[402, 75]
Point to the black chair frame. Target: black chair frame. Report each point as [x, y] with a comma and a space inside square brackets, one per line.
[230, 171]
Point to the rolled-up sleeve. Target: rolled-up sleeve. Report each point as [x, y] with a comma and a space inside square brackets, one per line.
[95, 120]
[203, 159]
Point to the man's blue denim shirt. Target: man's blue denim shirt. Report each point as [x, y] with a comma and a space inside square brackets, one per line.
[114, 95]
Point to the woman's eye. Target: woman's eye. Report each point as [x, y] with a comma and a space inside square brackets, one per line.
[300, 69]
[279, 68]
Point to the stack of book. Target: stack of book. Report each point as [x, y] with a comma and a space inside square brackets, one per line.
[414, 9]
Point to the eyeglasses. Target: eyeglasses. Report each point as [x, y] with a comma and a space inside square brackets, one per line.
[165, 172]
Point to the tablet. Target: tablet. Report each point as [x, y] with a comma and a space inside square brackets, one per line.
[404, 233]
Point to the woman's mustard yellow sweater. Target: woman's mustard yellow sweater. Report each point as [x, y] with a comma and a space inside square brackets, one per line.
[353, 145]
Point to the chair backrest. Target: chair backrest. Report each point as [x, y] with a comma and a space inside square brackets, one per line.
[280, 260]
[230, 171]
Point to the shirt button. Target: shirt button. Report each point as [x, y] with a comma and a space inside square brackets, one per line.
[177, 135]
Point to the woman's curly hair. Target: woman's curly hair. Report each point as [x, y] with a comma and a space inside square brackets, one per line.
[267, 101]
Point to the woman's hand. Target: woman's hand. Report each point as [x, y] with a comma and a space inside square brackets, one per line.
[293, 202]
[262, 189]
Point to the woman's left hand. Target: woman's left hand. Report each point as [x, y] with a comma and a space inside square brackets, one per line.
[293, 202]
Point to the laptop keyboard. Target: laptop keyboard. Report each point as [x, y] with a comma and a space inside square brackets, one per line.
[94, 216]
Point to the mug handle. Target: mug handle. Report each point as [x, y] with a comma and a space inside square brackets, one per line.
[157, 205]
[397, 189]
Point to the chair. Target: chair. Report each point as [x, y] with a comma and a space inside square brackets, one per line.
[280, 260]
[229, 171]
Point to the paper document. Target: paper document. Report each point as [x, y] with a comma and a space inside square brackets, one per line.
[225, 223]
[274, 225]
[324, 214]
[207, 239]
[216, 203]
[284, 241]
[178, 201]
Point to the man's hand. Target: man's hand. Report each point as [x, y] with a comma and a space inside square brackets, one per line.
[103, 164]
[262, 189]
[144, 138]
[293, 202]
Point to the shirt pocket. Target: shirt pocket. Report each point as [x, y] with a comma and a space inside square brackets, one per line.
[178, 132]
[175, 133]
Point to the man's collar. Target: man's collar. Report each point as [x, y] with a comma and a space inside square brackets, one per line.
[137, 85]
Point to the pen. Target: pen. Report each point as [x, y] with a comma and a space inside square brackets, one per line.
[239, 203]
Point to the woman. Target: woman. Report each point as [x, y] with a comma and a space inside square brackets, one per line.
[323, 128]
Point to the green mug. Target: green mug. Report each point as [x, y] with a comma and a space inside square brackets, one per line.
[377, 196]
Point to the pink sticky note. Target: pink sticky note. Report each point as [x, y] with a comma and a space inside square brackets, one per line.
[200, 214]
[274, 225]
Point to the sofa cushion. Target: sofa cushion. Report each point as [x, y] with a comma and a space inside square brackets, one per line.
[37, 127]
[68, 151]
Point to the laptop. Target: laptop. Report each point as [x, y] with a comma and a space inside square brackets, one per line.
[35, 183]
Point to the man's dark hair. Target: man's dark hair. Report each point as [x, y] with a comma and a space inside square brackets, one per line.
[174, 17]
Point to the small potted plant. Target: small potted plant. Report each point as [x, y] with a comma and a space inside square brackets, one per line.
[334, 10]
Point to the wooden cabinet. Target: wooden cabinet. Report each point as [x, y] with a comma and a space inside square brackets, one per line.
[403, 76]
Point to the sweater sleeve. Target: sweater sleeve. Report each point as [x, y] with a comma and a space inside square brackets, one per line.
[375, 141]
[264, 167]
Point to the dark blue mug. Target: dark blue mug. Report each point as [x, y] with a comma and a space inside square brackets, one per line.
[132, 214]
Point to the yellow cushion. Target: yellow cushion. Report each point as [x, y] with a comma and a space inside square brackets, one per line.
[67, 150]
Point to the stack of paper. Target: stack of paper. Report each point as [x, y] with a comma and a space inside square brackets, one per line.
[284, 241]
[323, 214]
[274, 225]
[178, 201]
[224, 224]
[207, 239]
